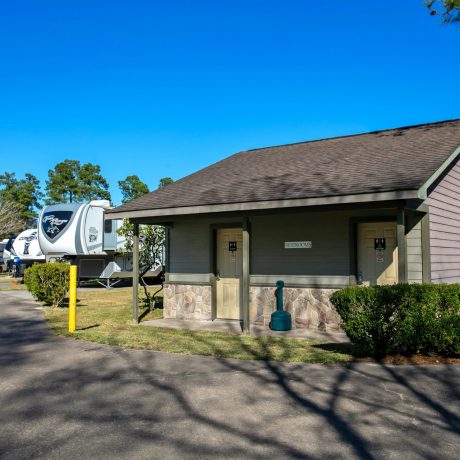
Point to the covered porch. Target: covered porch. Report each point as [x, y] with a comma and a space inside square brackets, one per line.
[328, 260]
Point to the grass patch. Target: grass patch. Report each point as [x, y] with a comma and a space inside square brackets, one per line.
[105, 317]
[8, 285]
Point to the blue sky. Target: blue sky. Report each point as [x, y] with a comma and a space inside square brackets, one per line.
[165, 88]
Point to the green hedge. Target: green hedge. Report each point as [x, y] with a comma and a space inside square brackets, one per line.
[401, 319]
[48, 283]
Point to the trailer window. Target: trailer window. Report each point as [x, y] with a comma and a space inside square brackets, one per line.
[108, 226]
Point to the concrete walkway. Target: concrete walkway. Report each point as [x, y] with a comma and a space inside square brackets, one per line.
[235, 327]
[63, 398]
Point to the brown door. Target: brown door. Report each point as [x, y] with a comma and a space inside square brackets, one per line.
[377, 253]
[229, 272]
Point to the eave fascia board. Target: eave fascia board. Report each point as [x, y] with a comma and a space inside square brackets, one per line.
[260, 205]
[423, 190]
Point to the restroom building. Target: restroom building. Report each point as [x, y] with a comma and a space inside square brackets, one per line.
[368, 209]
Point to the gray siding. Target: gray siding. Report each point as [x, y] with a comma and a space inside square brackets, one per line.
[190, 244]
[189, 247]
[444, 206]
[328, 232]
[328, 261]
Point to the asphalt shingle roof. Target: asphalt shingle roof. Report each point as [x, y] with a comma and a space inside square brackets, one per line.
[390, 160]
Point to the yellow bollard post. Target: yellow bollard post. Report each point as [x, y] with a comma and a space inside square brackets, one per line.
[73, 298]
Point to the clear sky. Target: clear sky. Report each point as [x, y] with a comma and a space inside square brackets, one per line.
[164, 88]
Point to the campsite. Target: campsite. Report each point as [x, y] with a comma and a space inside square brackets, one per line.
[229, 230]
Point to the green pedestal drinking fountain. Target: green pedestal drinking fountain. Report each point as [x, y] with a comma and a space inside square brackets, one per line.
[281, 319]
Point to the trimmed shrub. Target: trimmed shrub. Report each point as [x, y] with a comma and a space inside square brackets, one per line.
[402, 318]
[48, 283]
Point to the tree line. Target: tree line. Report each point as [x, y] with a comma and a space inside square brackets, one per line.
[69, 182]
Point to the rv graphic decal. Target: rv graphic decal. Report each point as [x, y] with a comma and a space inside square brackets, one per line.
[27, 240]
[93, 234]
[55, 222]
[31, 237]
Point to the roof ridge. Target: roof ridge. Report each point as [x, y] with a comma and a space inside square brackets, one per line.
[351, 135]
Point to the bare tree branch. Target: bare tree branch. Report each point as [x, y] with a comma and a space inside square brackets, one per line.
[11, 222]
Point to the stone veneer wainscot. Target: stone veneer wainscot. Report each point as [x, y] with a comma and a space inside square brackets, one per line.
[185, 301]
[310, 308]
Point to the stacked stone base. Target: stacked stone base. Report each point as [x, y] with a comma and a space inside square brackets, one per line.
[184, 301]
[310, 308]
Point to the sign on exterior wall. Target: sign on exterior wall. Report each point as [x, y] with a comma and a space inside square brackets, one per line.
[379, 244]
[298, 244]
[232, 246]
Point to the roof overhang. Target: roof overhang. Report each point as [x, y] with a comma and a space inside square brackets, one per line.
[423, 191]
[259, 205]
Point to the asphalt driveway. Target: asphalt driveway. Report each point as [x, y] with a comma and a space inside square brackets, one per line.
[61, 398]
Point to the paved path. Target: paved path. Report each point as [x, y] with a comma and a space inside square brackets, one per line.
[61, 398]
[235, 327]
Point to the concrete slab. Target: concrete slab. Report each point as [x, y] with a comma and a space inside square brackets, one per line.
[235, 327]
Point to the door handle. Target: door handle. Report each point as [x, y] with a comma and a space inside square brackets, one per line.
[218, 276]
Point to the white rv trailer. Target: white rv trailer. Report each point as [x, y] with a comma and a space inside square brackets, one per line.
[79, 233]
[26, 247]
[2, 249]
[8, 253]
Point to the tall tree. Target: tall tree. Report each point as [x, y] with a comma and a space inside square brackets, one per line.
[93, 185]
[132, 187]
[164, 181]
[62, 183]
[24, 193]
[449, 10]
[70, 182]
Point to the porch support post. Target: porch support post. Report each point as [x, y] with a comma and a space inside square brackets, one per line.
[402, 250]
[167, 252]
[426, 249]
[135, 305]
[246, 277]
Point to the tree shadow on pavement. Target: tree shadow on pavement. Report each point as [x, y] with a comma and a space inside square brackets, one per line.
[72, 398]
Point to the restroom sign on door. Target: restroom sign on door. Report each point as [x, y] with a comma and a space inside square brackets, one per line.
[379, 244]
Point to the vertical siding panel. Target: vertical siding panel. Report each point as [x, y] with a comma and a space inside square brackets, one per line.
[444, 205]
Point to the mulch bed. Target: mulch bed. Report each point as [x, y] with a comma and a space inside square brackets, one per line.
[415, 359]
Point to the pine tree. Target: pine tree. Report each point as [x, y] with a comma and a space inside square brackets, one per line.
[132, 187]
[71, 182]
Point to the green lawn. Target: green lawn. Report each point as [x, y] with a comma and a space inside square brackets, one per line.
[7, 284]
[105, 317]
